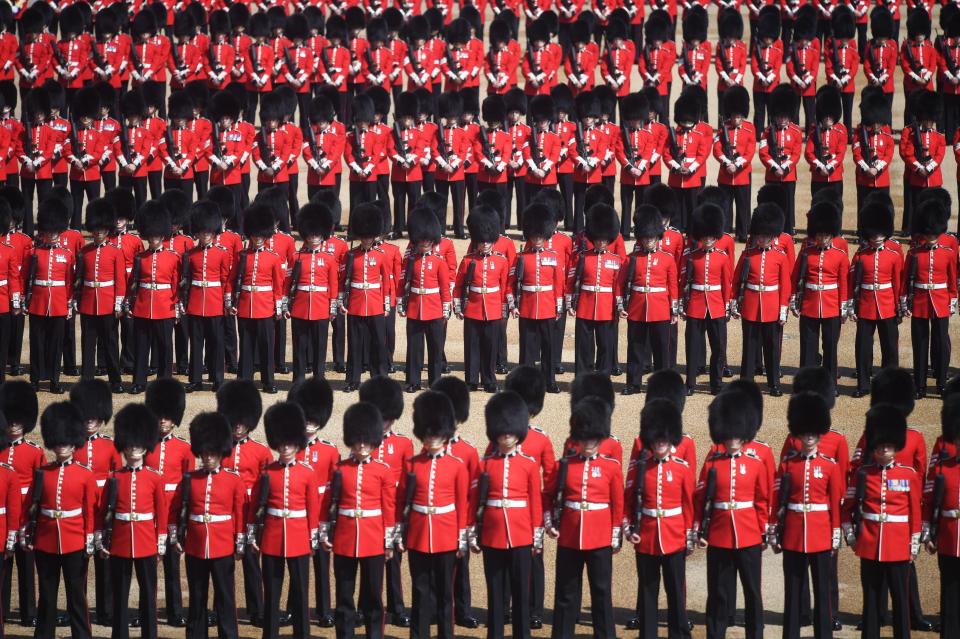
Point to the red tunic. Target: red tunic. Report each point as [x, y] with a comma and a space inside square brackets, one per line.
[812, 517]
[666, 515]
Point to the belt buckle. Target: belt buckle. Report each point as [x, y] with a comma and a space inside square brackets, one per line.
[731, 505]
[134, 517]
[661, 513]
[58, 514]
[431, 510]
[286, 513]
[204, 284]
[584, 505]
[206, 518]
[883, 517]
[807, 508]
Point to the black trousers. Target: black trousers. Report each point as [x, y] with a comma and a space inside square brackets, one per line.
[309, 346]
[121, 573]
[503, 188]
[569, 584]
[536, 344]
[951, 115]
[760, 99]
[297, 599]
[72, 569]
[173, 594]
[26, 589]
[5, 330]
[394, 572]
[70, 343]
[136, 185]
[789, 218]
[895, 574]
[501, 567]
[431, 576]
[339, 336]
[366, 340]
[579, 203]
[481, 342]
[723, 566]
[15, 348]
[809, 105]
[155, 182]
[471, 184]
[696, 336]
[79, 188]
[559, 331]
[252, 583]
[687, 199]
[109, 180]
[102, 590]
[361, 192]
[889, 332]
[405, 196]
[98, 336]
[200, 572]
[383, 189]
[28, 186]
[795, 566]
[370, 600]
[673, 569]
[433, 332]
[206, 347]
[949, 596]
[185, 185]
[230, 341]
[738, 208]
[517, 186]
[390, 334]
[256, 341]
[565, 184]
[909, 197]
[639, 335]
[155, 335]
[321, 582]
[863, 192]
[201, 182]
[762, 337]
[462, 600]
[593, 344]
[280, 344]
[126, 343]
[455, 191]
[813, 330]
[930, 336]
[46, 347]
[628, 192]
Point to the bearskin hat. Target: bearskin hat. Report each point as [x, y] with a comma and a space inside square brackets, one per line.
[451, 105]
[86, 104]
[926, 105]
[664, 198]
[393, 18]
[239, 401]
[19, 404]
[362, 424]
[875, 219]
[8, 97]
[563, 100]
[136, 426]
[433, 416]
[384, 393]
[516, 100]
[295, 27]
[950, 20]
[606, 99]
[284, 423]
[874, 108]
[365, 221]
[314, 220]
[31, 21]
[730, 24]
[647, 222]
[881, 22]
[225, 104]
[950, 419]
[736, 101]
[603, 223]
[205, 217]
[686, 109]
[527, 382]
[506, 414]
[727, 418]
[579, 32]
[657, 26]
[224, 198]
[695, 24]
[239, 15]
[483, 224]
[406, 105]
[435, 19]
[105, 25]
[553, 200]
[180, 106]
[52, 216]
[597, 194]
[617, 29]
[634, 107]
[767, 220]
[816, 379]
[336, 28]
[918, 23]
[783, 101]
[315, 398]
[423, 226]
[707, 221]
[660, 419]
[184, 25]
[219, 22]
[167, 398]
[199, 95]
[417, 28]
[210, 433]
[499, 32]
[669, 385]
[829, 103]
[93, 399]
[542, 108]
[808, 412]
[893, 385]
[494, 109]
[458, 32]
[124, 203]
[587, 105]
[768, 23]
[153, 220]
[592, 384]
[259, 221]
[537, 31]
[823, 217]
[62, 195]
[321, 110]
[271, 107]
[805, 27]
[885, 425]
[363, 109]
[928, 219]
[144, 23]
[590, 420]
[843, 23]
[38, 102]
[750, 391]
[62, 425]
[100, 215]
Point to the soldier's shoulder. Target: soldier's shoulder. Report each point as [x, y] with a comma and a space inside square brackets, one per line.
[529, 458]
[152, 471]
[33, 445]
[679, 460]
[611, 459]
[380, 464]
[828, 458]
[232, 471]
[537, 429]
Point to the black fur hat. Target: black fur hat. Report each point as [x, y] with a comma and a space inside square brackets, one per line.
[239, 15]
[805, 27]
[499, 32]
[950, 418]
[768, 22]
[516, 100]
[417, 28]
[597, 194]
[423, 226]
[657, 26]
[315, 397]
[470, 103]
[458, 393]
[634, 107]
[180, 106]
[527, 382]
[808, 412]
[381, 100]
[240, 402]
[178, 203]
[918, 23]
[816, 379]
[407, 105]
[31, 21]
[354, 18]
[493, 109]
[296, 28]
[184, 25]
[271, 107]
[592, 384]
[210, 433]
[506, 414]
[62, 425]
[730, 24]
[19, 404]
[541, 108]
[153, 220]
[587, 105]
[538, 221]
[365, 221]
[843, 22]
[458, 31]
[433, 416]
[362, 424]
[384, 393]
[224, 104]
[706, 221]
[893, 385]
[284, 423]
[363, 109]
[86, 104]
[686, 109]
[220, 22]
[144, 23]
[167, 398]
[603, 223]
[124, 203]
[93, 399]
[314, 219]
[773, 193]
[205, 217]
[783, 101]
[874, 108]
[695, 24]
[667, 384]
[606, 98]
[473, 18]
[727, 418]
[753, 400]
[885, 425]
[52, 216]
[590, 419]
[101, 215]
[563, 101]
[647, 222]
[881, 22]
[736, 101]
[38, 102]
[199, 94]
[926, 105]
[136, 426]
[875, 219]
[393, 18]
[537, 31]
[336, 28]
[660, 419]
[823, 217]
[664, 198]
[929, 218]
[579, 32]
[105, 25]
[483, 224]
[767, 220]
[829, 103]
[451, 105]
[259, 221]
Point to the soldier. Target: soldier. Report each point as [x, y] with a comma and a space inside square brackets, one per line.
[11, 289]
[496, 143]
[696, 51]
[323, 148]
[179, 147]
[842, 62]
[732, 529]
[820, 294]
[36, 151]
[685, 152]
[805, 524]
[229, 145]
[732, 53]
[780, 148]
[407, 148]
[368, 497]
[883, 503]
[922, 148]
[657, 60]
[762, 295]
[873, 147]
[540, 150]
[132, 519]
[827, 143]
[734, 146]
[658, 504]
[635, 150]
[928, 295]
[87, 154]
[588, 148]
[766, 58]
[803, 64]
[516, 107]
[23, 244]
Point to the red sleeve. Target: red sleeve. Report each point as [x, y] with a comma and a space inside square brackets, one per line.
[462, 495]
[238, 511]
[916, 488]
[616, 495]
[90, 506]
[13, 502]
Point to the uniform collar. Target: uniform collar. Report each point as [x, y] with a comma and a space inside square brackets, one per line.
[358, 461]
[590, 458]
[63, 464]
[512, 453]
[435, 455]
[90, 438]
[133, 469]
[288, 464]
[242, 441]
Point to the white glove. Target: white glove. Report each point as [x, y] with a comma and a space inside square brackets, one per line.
[835, 542]
[538, 538]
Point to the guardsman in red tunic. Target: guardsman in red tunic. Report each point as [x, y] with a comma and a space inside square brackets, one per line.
[873, 147]
[922, 148]
[87, 156]
[842, 60]
[539, 150]
[634, 148]
[61, 533]
[734, 145]
[780, 147]
[805, 521]
[10, 518]
[820, 294]
[695, 51]
[585, 514]
[918, 56]
[732, 529]
[179, 148]
[359, 526]
[134, 146]
[825, 155]
[658, 517]
[362, 152]
[211, 536]
[452, 149]
[587, 147]
[23, 244]
[493, 151]
[657, 59]
[432, 523]
[283, 520]
[732, 53]
[766, 59]
[35, 151]
[685, 152]
[882, 519]
[802, 62]
[762, 295]
[407, 147]
[132, 519]
[11, 285]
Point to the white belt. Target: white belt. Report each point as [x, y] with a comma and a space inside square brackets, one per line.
[507, 503]
[885, 518]
[425, 291]
[365, 285]
[876, 287]
[484, 289]
[705, 287]
[49, 283]
[820, 287]
[256, 289]
[660, 513]
[733, 505]
[311, 288]
[434, 510]
[585, 505]
[93, 284]
[151, 286]
[533, 288]
[133, 516]
[287, 514]
[24, 490]
[170, 487]
[950, 514]
[61, 514]
[596, 289]
[3, 511]
[763, 288]
[807, 508]
[360, 513]
[930, 287]
[205, 284]
[210, 519]
[649, 289]
[101, 483]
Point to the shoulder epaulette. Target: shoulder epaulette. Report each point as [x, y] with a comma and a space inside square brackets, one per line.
[106, 437]
[538, 429]
[85, 466]
[381, 462]
[231, 471]
[152, 470]
[837, 248]
[752, 455]
[609, 458]
[828, 458]
[526, 456]
[459, 459]
[37, 446]
[899, 465]
[305, 464]
[7, 466]
[761, 442]
[326, 442]
[680, 460]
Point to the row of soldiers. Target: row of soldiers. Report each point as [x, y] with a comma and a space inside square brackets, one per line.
[439, 500]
